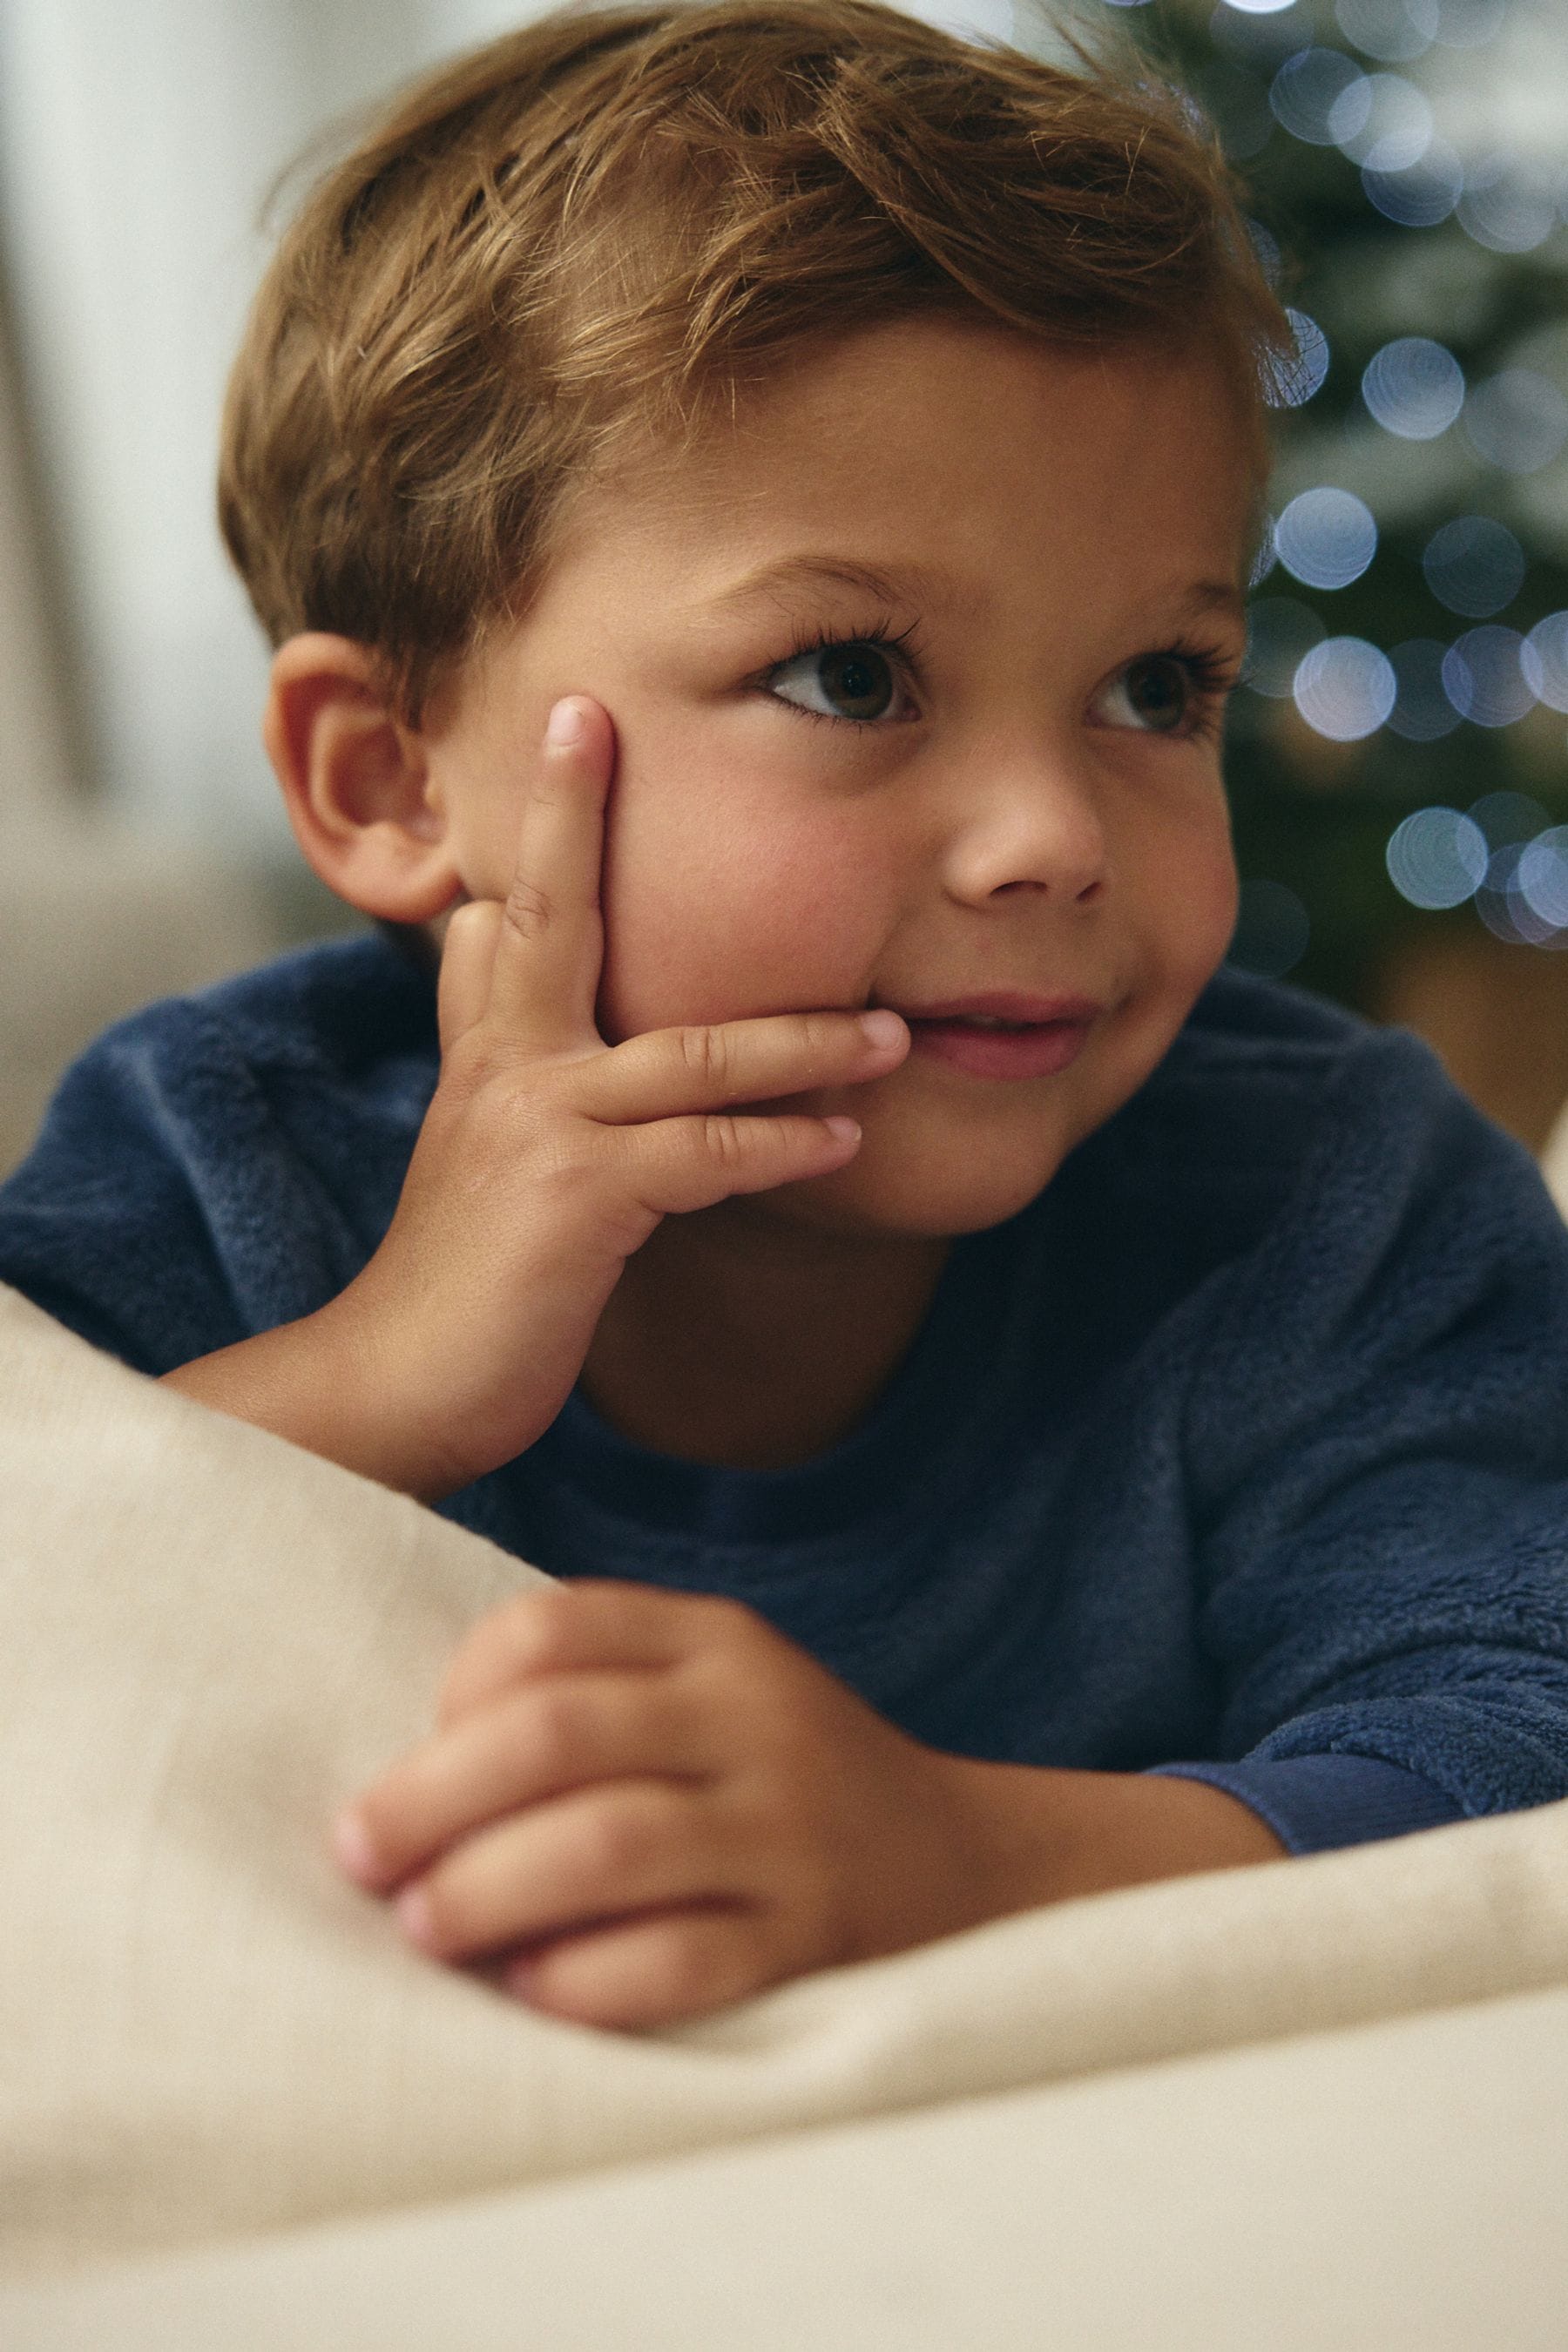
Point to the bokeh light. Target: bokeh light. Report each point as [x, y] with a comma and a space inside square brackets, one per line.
[1280, 632]
[1326, 537]
[1292, 382]
[1422, 712]
[1468, 23]
[1516, 419]
[1266, 246]
[1504, 208]
[1393, 31]
[1438, 858]
[1540, 876]
[1273, 929]
[1385, 124]
[1308, 89]
[1484, 678]
[1474, 566]
[1543, 658]
[1510, 821]
[1422, 196]
[1444, 658]
[1415, 387]
[1507, 817]
[1504, 908]
[1346, 689]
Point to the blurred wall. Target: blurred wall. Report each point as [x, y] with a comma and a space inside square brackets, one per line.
[37, 763]
[136, 147]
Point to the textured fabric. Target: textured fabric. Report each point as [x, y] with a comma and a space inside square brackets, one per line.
[206, 2033]
[1317, 1802]
[1317, 2192]
[1241, 1446]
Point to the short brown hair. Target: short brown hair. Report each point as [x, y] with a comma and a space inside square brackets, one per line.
[600, 227]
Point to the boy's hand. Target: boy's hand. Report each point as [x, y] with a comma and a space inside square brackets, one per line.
[545, 1159]
[639, 1806]
[668, 1806]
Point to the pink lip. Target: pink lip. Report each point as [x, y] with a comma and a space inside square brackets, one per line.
[1004, 1006]
[1058, 1031]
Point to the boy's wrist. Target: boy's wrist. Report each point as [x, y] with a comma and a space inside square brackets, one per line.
[323, 1383]
[1050, 1834]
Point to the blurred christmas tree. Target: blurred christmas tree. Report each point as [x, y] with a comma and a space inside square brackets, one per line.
[1398, 757]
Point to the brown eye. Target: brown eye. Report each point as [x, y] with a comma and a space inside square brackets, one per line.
[856, 682]
[1159, 692]
[856, 678]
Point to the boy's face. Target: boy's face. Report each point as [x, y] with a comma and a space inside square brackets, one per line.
[1025, 797]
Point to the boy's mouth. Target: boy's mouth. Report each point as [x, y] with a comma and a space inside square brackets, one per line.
[1003, 1035]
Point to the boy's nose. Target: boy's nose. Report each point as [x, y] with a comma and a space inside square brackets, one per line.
[1033, 829]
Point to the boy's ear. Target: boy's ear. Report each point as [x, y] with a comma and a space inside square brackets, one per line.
[354, 779]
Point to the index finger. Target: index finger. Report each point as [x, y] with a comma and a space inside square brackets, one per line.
[592, 1621]
[550, 939]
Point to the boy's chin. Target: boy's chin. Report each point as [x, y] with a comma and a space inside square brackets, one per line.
[907, 1204]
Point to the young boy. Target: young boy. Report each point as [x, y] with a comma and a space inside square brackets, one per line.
[753, 503]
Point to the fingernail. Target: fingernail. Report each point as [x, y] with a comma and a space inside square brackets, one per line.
[883, 1028]
[415, 1914]
[567, 721]
[351, 1845]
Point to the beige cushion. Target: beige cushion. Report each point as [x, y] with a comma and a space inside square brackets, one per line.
[211, 1638]
[1389, 2188]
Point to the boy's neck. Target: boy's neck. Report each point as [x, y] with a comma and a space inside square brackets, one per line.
[721, 1346]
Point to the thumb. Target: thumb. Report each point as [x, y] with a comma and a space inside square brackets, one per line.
[468, 958]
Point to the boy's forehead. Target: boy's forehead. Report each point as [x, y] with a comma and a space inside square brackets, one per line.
[894, 463]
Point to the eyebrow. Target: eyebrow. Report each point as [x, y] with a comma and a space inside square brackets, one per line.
[934, 588]
[1215, 596]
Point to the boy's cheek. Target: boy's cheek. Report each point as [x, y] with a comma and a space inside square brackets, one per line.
[1225, 907]
[721, 922]
[1193, 900]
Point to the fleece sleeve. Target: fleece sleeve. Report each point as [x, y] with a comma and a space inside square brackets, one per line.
[1315, 1803]
[163, 1211]
[1377, 1438]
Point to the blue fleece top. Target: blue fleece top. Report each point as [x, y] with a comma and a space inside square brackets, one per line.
[1240, 1453]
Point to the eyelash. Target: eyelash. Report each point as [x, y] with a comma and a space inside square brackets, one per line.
[1213, 673]
[904, 648]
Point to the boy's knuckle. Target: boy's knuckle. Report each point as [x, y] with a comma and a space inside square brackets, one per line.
[723, 1140]
[544, 1622]
[554, 1726]
[528, 909]
[504, 1123]
[731, 1624]
[614, 1840]
[706, 1052]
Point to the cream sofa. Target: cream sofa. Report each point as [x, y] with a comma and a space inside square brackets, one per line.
[1316, 2103]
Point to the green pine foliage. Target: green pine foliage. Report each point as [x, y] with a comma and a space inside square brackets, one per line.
[1488, 281]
